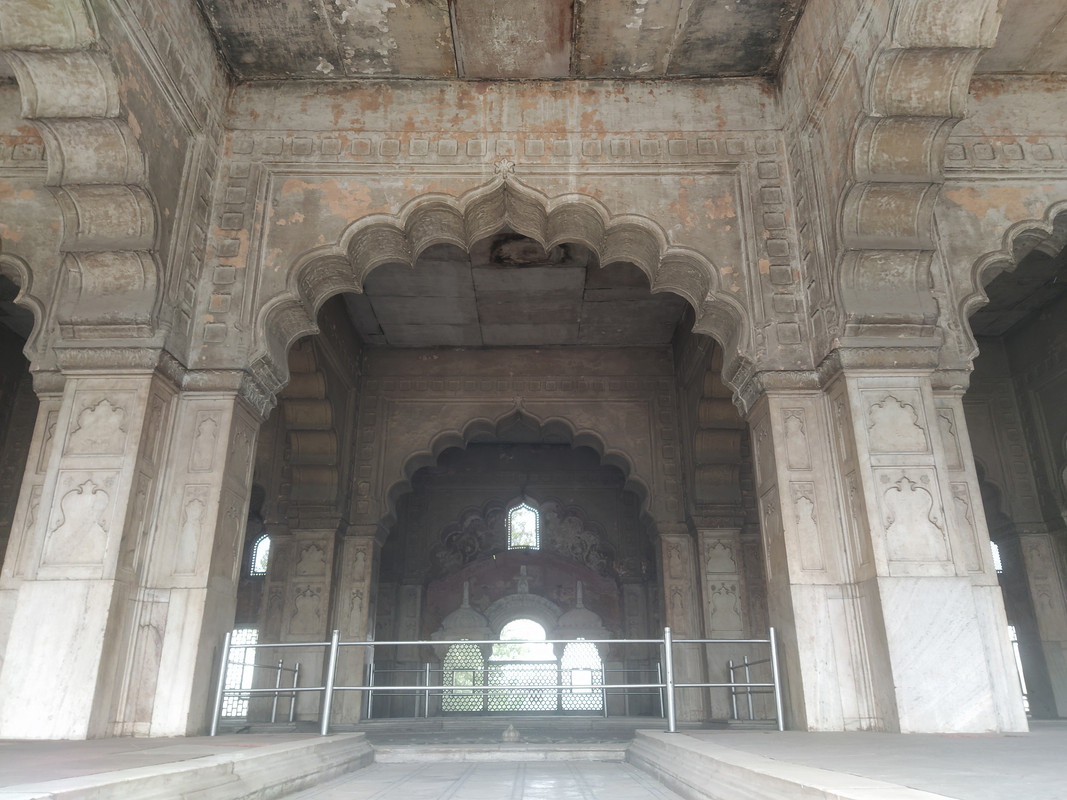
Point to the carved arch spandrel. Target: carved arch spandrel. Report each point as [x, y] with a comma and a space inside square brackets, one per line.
[504, 202]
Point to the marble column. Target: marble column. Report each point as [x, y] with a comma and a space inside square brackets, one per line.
[299, 606]
[681, 592]
[141, 514]
[358, 553]
[65, 674]
[1046, 583]
[878, 589]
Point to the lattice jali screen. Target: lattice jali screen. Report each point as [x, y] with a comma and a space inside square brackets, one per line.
[582, 669]
[464, 670]
[509, 674]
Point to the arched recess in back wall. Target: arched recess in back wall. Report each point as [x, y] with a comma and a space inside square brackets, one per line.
[502, 203]
[636, 476]
[1047, 235]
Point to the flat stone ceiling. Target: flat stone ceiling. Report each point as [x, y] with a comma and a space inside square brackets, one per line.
[501, 39]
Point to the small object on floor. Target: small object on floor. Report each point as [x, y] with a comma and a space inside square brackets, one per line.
[510, 734]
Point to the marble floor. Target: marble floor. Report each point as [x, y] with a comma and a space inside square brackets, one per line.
[493, 781]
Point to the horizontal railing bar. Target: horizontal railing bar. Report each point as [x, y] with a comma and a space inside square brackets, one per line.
[272, 690]
[502, 687]
[435, 642]
[272, 645]
[722, 641]
[722, 685]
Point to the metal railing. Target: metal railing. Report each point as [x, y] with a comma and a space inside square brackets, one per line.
[666, 683]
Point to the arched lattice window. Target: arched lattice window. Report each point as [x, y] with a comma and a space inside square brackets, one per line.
[524, 528]
[260, 554]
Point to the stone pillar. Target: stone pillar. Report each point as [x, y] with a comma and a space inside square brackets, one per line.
[302, 599]
[722, 585]
[681, 592]
[877, 588]
[1042, 567]
[964, 505]
[193, 561]
[358, 551]
[141, 515]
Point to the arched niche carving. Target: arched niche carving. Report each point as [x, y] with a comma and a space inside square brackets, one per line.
[503, 203]
[481, 533]
[1047, 234]
[637, 473]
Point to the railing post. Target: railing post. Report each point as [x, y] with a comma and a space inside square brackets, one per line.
[292, 697]
[426, 700]
[660, 691]
[370, 690]
[327, 700]
[733, 689]
[748, 688]
[777, 679]
[223, 664]
[277, 686]
[668, 668]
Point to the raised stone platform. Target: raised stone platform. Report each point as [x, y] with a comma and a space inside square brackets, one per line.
[694, 764]
[211, 769]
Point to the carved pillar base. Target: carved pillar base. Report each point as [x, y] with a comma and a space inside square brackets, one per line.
[723, 590]
[1050, 610]
[681, 590]
[358, 552]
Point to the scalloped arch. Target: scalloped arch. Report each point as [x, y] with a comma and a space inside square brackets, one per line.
[19, 272]
[1052, 229]
[437, 218]
[482, 429]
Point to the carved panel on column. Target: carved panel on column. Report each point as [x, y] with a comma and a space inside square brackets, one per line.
[894, 423]
[99, 427]
[722, 583]
[307, 617]
[946, 422]
[310, 562]
[205, 436]
[225, 560]
[724, 609]
[967, 524]
[809, 543]
[796, 438]
[80, 524]
[914, 525]
[194, 510]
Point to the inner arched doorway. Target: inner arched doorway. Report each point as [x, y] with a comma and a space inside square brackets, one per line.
[566, 356]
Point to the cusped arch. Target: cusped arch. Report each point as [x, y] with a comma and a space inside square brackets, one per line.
[503, 203]
[18, 272]
[1048, 234]
[551, 429]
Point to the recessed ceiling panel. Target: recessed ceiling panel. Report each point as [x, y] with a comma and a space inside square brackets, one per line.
[402, 38]
[625, 38]
[733, 37]
[513, 38]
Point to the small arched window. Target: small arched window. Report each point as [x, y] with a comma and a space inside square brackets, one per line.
[523, 528]
[260, 555]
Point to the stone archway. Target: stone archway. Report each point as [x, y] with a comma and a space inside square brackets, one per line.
[502, 203]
